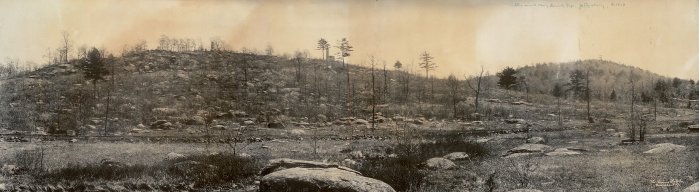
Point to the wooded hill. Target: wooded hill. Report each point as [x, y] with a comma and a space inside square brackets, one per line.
[175, 90]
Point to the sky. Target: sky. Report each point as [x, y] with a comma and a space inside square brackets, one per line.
[658, 35]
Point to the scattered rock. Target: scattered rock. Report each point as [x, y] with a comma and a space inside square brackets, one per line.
[348, 162]
[562, 152]
[665, 148]
[298, 131]
[456, 156]
[248, 122]
[529, 148]
[356, 155]
[173, 156]
[526, 190]
[475, 116]
[162, 124]
[693, 127]
[605, 121]
[536, 140]
[361, 121]
[439, 164]
[276, 125]
[515, 121]
[418, 121]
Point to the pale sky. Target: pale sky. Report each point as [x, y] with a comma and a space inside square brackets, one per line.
[659, 35]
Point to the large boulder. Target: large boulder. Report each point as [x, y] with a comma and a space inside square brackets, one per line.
[665, 148]
[456, 156]
[692, 188]
[439, 164]
[284, 163]
[320, 179]
[299, 175]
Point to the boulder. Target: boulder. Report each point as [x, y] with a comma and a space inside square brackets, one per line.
[162, 124]
[439, 164]
[298, 132]
[530, 148]
[320, 179]
[196, 120]
[361, 121]
[515, 121]
[284, 163]
[665, 148]
[276, 125]
[693, 127]
[563, 152]
[692, 188]
[173, 156]
[356, 155]
[525, 190]
[536, 140]
[248, 122]
[418, 121]
[475, 116]
[456, 156]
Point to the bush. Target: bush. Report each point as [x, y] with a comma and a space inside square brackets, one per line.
[201, 169]
[226, 167]
[403, 172]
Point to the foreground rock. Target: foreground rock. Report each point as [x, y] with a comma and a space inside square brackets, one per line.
[692, 188]
[665, 148]
[456, 156]
[298, 175]
[439, 164]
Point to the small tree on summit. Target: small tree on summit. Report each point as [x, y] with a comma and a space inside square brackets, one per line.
[507, 78]
[94, 67]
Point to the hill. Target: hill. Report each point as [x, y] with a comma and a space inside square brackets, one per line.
[187, 90]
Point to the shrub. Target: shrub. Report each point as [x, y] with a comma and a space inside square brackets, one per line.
[403, 172]
[201, 169]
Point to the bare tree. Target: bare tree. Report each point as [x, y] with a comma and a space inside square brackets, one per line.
[344, 51]
[477, 89]
[373, 93]
[269, 50]
[427, 64]
[453, 84]
[299, 57]
[66, 46]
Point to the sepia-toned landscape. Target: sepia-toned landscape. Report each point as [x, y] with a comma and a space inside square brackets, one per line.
[171, 98]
